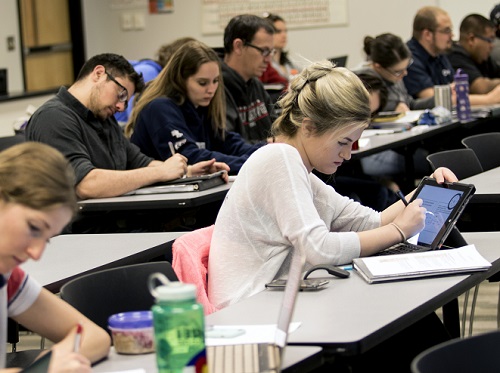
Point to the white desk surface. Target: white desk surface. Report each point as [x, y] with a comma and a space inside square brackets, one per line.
[155, 201]
[377, 143]
[116, 362]
[67, 256]
[487, 186]
[351, 316]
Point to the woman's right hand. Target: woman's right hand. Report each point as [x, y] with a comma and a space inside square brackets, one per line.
[412, 219]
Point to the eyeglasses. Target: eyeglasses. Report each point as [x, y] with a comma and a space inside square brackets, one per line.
[264, 51]
[123, 95]
[446, 31]
[484, 38]
[398, 73]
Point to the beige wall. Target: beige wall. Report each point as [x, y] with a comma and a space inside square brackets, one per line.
[103, 33]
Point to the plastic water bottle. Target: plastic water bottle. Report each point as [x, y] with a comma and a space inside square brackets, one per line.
[179, 327]
[462, 90]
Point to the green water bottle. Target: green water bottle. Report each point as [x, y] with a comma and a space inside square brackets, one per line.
[179, 326]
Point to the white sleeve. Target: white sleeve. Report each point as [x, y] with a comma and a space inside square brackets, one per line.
[25, 296]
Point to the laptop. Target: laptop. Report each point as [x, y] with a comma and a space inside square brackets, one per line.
[261, 357]
[444, 203]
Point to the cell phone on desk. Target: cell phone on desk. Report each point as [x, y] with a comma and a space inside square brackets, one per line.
[309, 284]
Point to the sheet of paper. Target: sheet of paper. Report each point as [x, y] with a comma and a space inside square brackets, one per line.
[464, 257]
[253, 334]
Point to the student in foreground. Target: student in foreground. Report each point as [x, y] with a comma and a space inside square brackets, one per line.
[184, 107]
[37, 199]
[277, 203]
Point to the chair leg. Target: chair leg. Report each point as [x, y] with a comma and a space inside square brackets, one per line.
[473, 308]
[464, 313]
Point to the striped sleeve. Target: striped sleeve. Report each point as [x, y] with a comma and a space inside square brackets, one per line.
[22, 291]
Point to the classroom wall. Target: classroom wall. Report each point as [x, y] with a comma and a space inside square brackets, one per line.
[103, 33]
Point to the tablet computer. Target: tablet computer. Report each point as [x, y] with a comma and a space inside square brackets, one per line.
[444, 203]
[40, 365]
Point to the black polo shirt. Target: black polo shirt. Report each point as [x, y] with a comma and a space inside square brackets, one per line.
[426, 70]
[460, 58]
[88, 143]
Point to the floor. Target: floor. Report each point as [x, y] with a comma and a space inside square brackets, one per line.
[485, 318]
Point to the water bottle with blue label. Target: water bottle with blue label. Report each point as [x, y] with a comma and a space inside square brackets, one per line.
[462, 90]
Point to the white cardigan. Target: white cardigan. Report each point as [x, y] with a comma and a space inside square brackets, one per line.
[274, 205]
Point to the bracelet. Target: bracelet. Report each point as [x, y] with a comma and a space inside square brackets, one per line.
[403, 236]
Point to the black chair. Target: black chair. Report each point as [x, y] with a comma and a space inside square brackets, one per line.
[487, 148]
[101, 294]
[473, 354]
[340, 61]
[463, 162]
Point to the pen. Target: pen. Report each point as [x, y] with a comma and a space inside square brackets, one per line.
[171, 146]
[402, 197]
[347, 268]
[78, 338]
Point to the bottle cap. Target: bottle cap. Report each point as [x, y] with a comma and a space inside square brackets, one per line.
[175, 290]
[460, 75]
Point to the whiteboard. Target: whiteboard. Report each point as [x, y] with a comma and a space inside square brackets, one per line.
[296, 13]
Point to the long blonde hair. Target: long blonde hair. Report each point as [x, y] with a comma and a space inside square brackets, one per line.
[37, 176]
[332, 97]
[171, 83]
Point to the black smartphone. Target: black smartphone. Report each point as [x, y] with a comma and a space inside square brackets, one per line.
[309, 284]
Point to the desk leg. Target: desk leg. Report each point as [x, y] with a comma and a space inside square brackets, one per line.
[451, 318]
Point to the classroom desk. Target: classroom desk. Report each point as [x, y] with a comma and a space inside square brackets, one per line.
[297, 359]
[377, 143]
[69, 256]
[487, 186]
[155, 201]
[350, 316]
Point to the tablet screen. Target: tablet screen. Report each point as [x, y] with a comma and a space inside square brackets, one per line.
[444, 204]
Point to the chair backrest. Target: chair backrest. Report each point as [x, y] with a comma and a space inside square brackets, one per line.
[473, 354]
[101, 294]
[487, 148]
[8, 141]
[463, 162]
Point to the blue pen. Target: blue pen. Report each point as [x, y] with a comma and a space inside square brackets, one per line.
[347, 268]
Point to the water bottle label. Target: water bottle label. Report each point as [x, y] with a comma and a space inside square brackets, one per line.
[180, 339]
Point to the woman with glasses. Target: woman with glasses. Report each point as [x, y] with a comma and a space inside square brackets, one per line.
[389, 59]
[184, 109]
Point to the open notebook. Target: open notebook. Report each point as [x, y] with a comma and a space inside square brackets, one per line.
[261, 357]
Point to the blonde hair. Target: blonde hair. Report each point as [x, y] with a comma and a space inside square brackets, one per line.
[171, 83]
[37, 176]
[333, 98]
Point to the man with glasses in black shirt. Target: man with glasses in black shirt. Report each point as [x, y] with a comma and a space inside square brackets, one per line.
[248, 49]
[472, 54]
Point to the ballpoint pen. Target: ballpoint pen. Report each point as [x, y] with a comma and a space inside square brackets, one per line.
[171, 146]
[402, 197]
[78, 338]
